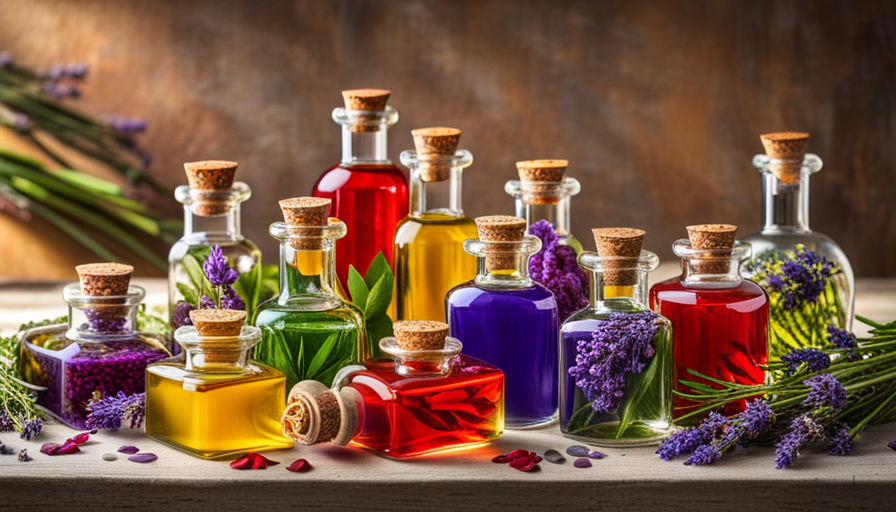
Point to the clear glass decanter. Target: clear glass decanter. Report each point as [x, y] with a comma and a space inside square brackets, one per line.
[429, 257]
[429, 398]
[99, 353]
[214, 401]
[504, 317]
[616, 354]
[309, 331]
[211, 218]
[369, 193]
[543, 193]
[807, 276]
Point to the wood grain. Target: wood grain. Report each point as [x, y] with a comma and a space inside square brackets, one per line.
[657, 104]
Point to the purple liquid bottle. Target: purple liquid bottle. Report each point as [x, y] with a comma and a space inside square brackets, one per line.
[504, 317]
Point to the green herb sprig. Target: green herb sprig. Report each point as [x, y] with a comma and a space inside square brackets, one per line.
[372, 294]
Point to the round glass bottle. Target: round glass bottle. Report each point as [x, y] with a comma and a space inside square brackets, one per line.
[543, 193]
[309, 331]
[504, 317]
[807, 276]
[369, 193]
[211, 218]
[616, 354]
[429, 255]
[99, 353]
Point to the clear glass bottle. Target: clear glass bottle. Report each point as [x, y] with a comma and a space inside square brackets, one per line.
[719, 319]
[369, 193]
[616, 339]
[429, 254]
[429, 399]
[309, 331]
[807, 276]
[214, 402]
[211, 218]
[504, 317]
[543, 193]
[98, 353]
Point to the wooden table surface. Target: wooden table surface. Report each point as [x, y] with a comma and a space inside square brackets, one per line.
[346, 478]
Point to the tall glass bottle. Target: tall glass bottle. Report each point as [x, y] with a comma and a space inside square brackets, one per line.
[807, 276]
[429, 253]
[616, 354]
[504, 317]
[309, 331]
[211, 218]
[719, 320]
[214, 402]
[431, 398]
[99, 353]
[369, 193]
[543, 193]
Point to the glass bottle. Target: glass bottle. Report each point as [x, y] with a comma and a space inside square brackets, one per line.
[616, 340]
[719, 320]
[429, 253]
[369, 193]
[543, 193]
[214, 402]
[429, 399]
[99, 353]
[504, 317]
[309, 331]
[211, 218]
[807, 276]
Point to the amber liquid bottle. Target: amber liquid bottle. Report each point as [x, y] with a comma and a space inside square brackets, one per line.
[369, 193]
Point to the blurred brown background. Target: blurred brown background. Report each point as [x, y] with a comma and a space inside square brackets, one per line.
[657, 104]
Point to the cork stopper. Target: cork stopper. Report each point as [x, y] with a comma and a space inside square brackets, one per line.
[434, 142]
[306, 211]
[218, 322]
[420, 334]
[501, 228]
[542, 170]
[210, 176]
[316, 414]
[366, 100]
[786, 146]
[104, 279]
[713, 237]
[619, 243]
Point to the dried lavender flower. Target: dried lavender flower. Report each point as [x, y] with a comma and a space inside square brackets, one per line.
[815, 359]
[107, 413]
[840, 438]
[841, 338]
[181, 314]
[217, 271]
[803, 430]
[555, 267]
[825, 390]
[741, 429]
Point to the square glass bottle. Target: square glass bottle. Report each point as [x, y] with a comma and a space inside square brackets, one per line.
[214, 402]
[431, 398]
[543, 193]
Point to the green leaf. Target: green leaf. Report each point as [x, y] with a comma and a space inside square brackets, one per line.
[380, 296]
[357, 288]
[638, 397]
[378, 327]
[190, 295]
[321, 357]
[194, 272]
[377, 269]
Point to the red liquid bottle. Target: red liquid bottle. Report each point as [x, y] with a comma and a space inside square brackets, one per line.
[429, 399]
[369, 194]
[719, 320]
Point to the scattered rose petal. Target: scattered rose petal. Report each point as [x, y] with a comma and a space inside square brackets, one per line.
[501, 459]
[536, 458]
[109, 457]
[50, 448]
[554, 457]
[523, 464]
[299, 466]
[80, 438]
[252, 460]
[60, 449]
[517, 453]
[596, 455]
[128, 449]
[892, 445]
[578, 451]
[582, 463]
[242, 462]
[143, 457]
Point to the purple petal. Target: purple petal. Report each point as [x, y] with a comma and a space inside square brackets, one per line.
[582, 463]
[128, 449]
[578, 451]
[143, 457]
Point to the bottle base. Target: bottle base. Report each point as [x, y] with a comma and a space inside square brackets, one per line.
[222, 454]
[620, 443]
[531, 424]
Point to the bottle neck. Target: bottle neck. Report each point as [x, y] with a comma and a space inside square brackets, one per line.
[217, 354]
[443, 197]
[102, 318]
[785, 206]
[618, 282]
[711, 268]
[549, 201]
[608, 296]
[364, 147]
[503, 265]
[307, 273]
[219, 227]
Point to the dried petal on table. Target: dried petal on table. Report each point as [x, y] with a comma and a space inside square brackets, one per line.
[299, 466]
[555, 457]
[128, 449]
[578, 451]
[582, 463]
[143, 457]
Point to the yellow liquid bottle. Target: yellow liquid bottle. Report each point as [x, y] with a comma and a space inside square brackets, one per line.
[428, 255]
[213, 402]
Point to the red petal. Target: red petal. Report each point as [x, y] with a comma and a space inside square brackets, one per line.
[501, 459]
[50, 448]
[299, 466]
[517, 453]
[536, 459]
[67, 448]
[523, 464]
[80, 438]
[242, 462]
[258, 462]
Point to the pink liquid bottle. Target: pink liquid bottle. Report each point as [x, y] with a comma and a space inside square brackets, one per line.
[429, 398]
[369, 193]
[719, 320]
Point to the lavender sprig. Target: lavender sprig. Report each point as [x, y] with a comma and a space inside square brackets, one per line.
[814, 359]
[107, 413]
[555, 267]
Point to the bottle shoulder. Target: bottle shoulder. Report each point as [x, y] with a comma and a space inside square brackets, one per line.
[674, 290]
[385, 177]
[174, 369]
[272, 312]
[380, 373]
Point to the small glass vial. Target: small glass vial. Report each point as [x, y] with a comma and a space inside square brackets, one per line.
[99, 353]
[369, 193]
[211, 218]
[431, 398]
[719, 319]
[807, 276]
[429, 252]
[616, 354]
[542, 193]
[504, 317]
[214, 402]
[309, 331]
